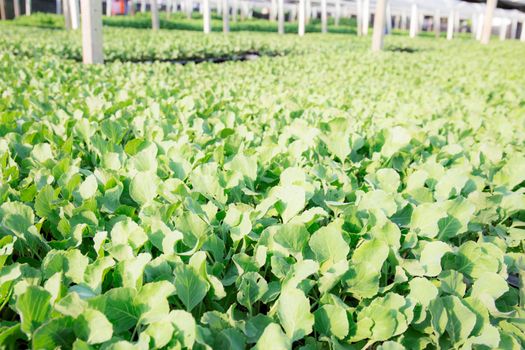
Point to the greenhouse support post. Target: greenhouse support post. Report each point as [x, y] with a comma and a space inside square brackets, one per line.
[206, 16]
[109, 4]
[273, 10]
[388, 18]
[67, 15]
[337, 12]
[225, 16]
[189, 8]
[143, 6]
[2, 10]
[92, 52]
[450, 25]
[359, 16]
[413, 21]
[437, 23]
[16, 7]
[58, 4]
[308, 11]
[522, 35]
[280, 16]
[155, 24]
[74, 13]
[324, 17]
[301, 15]
[366, 16]
[246, 11]
[514, 28]
[28, 7]
[474, 25]
[487, 24]
[379, 26]
[503, 30]
[479, 26]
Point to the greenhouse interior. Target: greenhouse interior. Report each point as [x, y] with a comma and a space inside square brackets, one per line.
[262, 174]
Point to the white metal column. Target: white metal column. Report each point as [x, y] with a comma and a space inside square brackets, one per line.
[450, 25]
[92, 52]
[479, 24]
[337, 12]
[514, 28]
[413, 21]
[503, 31]
[324, 17]
[437, 23]
[16, 7]
[273, 10]
[225, 16]
[206, 16]
[2, 10]
[155, 23]
[379, 26]
[280, 16]
[74, 12]
[359, 17]
[388, 18]
[487, 26]
[366, 16]
[301, 15]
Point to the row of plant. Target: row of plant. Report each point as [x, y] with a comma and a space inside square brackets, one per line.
[141, 45]
[337, 199]
[179, 21]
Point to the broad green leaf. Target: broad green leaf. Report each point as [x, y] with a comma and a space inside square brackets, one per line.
[251, 288]
[143, 188]
[362, 279]
[93, 327]
[452, 283]
[293, 237]
[328, 245]
[425, 219]
[88, 188]
[451, 316]
[332, 320]
[293, 199]
[384, 318]
[273, 338]
[55, 333]
[152, 301]
[185, 327]
[126, 231]
[473, 259]
[190, 287]
[118, 307]
[294, 314]
[34, 308]
[422, 290]
[18, 219]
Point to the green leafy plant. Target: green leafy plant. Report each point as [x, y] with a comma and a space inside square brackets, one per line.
[329, 198]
